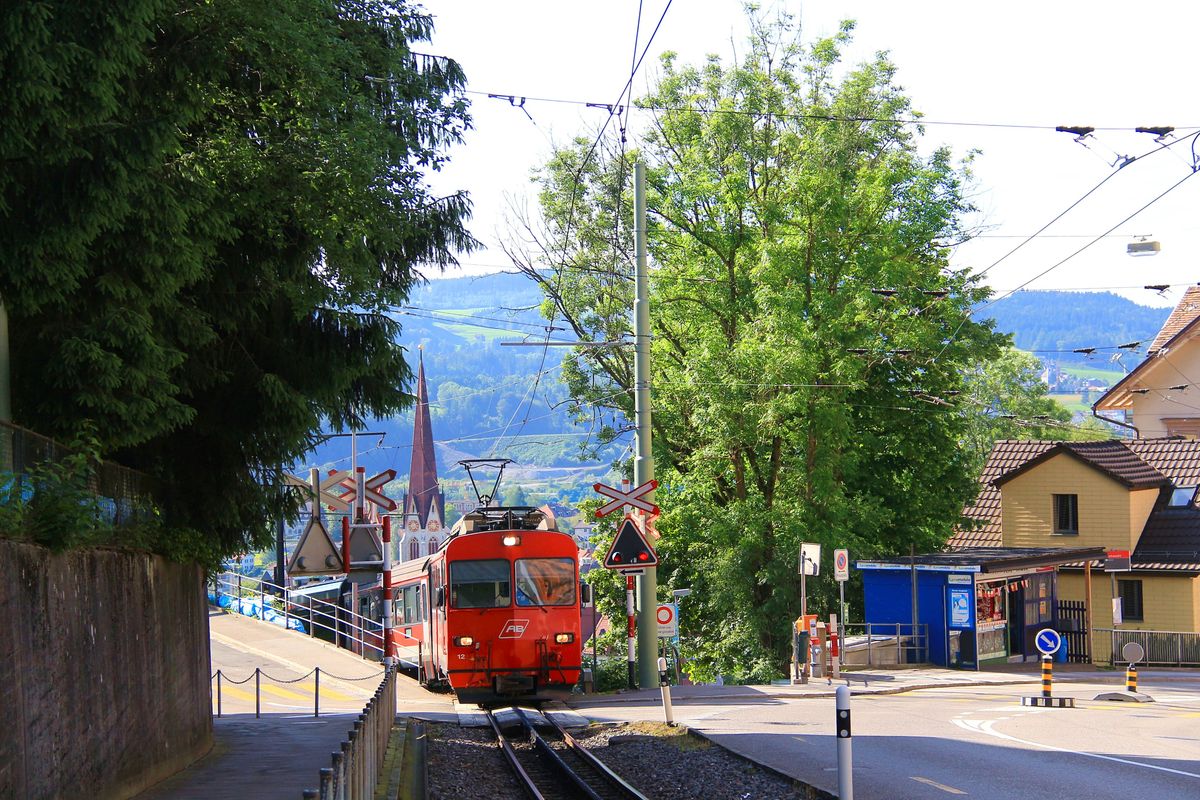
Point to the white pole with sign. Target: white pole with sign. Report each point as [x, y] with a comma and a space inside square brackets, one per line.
[841, 573]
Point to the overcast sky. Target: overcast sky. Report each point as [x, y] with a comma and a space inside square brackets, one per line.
[999, 65]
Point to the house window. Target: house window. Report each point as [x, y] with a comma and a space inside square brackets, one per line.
[1181, 496]
[1066, 513]
[1130, 593]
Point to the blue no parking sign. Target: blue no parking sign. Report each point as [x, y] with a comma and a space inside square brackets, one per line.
[1048, 641]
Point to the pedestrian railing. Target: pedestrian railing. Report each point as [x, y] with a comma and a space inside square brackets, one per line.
[875, 644]
[223, 680]
[269, 602]
[356, 766]
[1162, 648]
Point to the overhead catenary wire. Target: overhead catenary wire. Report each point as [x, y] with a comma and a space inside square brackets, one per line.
[914, 120]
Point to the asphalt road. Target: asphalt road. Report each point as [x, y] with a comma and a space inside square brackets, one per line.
[977, 742]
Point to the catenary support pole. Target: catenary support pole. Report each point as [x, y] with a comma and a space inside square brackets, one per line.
[643, 465]
[845, 757]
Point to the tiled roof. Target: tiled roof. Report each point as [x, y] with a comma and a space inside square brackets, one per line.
[1111, 457]
[1174, 457]
[1186, 312]
[1006, 455]
[1171, 539]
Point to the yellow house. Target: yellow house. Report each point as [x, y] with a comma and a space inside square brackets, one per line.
[1158, 397]
[1121, 495]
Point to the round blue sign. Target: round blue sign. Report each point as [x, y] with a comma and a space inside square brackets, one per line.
[1048, 641]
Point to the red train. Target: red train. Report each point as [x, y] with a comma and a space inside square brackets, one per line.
[496, 609]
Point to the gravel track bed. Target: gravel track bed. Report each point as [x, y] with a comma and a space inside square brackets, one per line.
[663, 763]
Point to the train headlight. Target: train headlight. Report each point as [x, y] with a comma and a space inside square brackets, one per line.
[564, 638]
[510, 540]
[464, 641]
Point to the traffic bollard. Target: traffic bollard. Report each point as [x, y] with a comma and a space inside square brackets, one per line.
[665, 686]
[845, 757]
[1131, 679]
[1047, 675]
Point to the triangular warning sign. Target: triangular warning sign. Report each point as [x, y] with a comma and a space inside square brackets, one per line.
[366, 550]
[315, 553]
[630, 549]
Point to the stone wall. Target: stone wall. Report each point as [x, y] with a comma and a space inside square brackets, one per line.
[104, 682]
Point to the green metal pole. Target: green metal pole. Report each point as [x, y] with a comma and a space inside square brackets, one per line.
[643, 465]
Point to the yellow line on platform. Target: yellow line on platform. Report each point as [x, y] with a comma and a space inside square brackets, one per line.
[279, 691]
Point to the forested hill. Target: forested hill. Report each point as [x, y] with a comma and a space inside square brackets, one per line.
[1066, 321]
[485, 401]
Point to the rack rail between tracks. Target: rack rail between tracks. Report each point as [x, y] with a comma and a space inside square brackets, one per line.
[547, 772]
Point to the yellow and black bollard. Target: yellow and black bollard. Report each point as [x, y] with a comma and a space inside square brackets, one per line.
[1131, 679]
[1047, 675]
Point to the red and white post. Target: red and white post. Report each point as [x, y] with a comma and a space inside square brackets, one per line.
[631, 626]
[389, 647]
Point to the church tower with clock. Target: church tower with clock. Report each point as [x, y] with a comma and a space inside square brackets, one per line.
[424, 505]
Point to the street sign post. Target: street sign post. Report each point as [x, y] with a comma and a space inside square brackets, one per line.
[841, 565]
[1048, 641]
[667, 616]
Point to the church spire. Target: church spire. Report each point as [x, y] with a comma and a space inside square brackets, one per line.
[423, 491]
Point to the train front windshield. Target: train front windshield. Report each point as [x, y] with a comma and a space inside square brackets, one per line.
[479, 584]
[545, 581]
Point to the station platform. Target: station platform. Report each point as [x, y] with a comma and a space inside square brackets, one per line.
[279, 753]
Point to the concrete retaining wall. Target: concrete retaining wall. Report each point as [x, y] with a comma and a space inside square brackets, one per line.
[104, 683]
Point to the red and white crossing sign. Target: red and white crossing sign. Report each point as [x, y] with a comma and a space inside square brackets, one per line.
[631, 498]
[321, 488]
[372, 490]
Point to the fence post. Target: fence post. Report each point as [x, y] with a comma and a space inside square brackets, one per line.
[352, 780]
[317, 692]
[1179, 649]
[899, 654]
[257, 693]
[339, 778]
[326, 783]
[869, 625]
[218, 693]
[283, 593]
[262, 601]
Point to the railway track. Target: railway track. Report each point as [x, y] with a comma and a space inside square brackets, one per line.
[558, 767]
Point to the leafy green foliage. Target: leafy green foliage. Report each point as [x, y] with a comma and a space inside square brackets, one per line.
[208, 209]
[792, 401]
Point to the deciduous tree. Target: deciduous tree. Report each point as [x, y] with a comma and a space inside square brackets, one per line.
[810, 337]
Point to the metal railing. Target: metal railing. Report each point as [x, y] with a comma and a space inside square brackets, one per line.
[269, 602]
[882, 644]
[257, 676]
[124, 495]
[1163, 648]
[357, 765]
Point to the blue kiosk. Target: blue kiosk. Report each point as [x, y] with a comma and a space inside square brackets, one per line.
[979, 605]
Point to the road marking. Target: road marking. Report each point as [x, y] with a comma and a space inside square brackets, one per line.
[288, 694]
[985, 726]
[936, 785]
